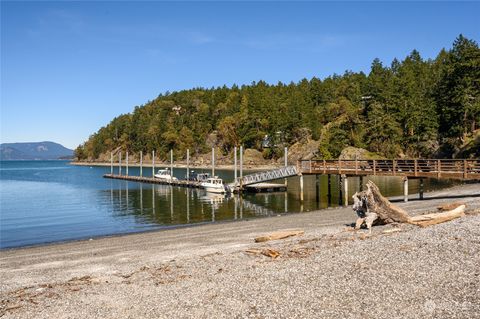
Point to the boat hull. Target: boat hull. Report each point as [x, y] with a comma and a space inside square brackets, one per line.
[163, 178]
[211, 189]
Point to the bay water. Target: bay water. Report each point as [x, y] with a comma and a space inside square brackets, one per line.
[53, 201]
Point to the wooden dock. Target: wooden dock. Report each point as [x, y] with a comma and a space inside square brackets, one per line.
[265, 188]
[152, 180]
[257, 188]
[464, 169]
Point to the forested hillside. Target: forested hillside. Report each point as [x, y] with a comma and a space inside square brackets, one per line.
[413, 107]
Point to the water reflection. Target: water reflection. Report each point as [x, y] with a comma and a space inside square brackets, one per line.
[41, 203]
[165, 205]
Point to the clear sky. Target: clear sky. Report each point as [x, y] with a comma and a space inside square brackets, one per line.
[68, 68]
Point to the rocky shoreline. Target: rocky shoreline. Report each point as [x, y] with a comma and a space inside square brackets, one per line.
[229, 167]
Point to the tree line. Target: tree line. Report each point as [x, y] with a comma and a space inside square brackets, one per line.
[413, 107]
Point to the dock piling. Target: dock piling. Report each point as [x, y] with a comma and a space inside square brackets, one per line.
[153, 163]
[405, 189]
[141, 163]
[213, 161]
[188, 163]
[235, 164]
[329, 190]
[345, 190]
[340, 190]
[301, 188]
[188, 201]
[153, 199]
[120, 163]
[420, 191]
[285, 155]
[126, 164]
[141, 198]
[111, 163]
[241, 166]
[171, 164]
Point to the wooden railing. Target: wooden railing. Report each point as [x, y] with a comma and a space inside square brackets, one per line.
[437, 168]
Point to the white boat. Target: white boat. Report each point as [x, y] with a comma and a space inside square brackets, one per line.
[165, 175]
[214, 185]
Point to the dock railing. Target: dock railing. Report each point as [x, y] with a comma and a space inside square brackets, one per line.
[435, 168]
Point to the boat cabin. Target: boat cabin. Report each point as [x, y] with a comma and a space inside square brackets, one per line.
[215, 181]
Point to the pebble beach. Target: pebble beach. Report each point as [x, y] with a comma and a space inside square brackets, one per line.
[218, 271]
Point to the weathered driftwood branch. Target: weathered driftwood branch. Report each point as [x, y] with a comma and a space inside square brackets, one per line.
[372, 208]
[437, 218]
[279, 235]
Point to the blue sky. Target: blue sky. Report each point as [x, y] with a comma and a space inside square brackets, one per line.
[68, 68]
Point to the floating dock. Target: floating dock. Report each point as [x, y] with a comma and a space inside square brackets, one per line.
[153, 180]
[254, 188]
[266, 188]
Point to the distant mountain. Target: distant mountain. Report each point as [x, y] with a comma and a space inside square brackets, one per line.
[34, 151]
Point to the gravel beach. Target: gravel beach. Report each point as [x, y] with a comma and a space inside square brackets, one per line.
[217, 271]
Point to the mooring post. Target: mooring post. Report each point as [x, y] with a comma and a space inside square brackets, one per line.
[153, 163]
[171, 165]
[126, 193]
[153, 199]
[360, 183]
[213, 161]
[405, 189]
[421, 189]
[188, 202]
[340, 190]
[329, 189]
[235, 206]
[111, 163]
[188, 164]
[171, 203]
[126, 164]
[345, 190]
[235, 164]
[241, 166]
[285, 152]
[301, 187]
[286, 202]
[141, 197]
[317, 189]
[141, 163]
[120, 163]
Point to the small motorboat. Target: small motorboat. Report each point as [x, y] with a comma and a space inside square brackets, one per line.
[165, 175]
[214, 185]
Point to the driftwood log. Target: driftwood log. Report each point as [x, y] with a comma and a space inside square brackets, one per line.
[374, 209]
[279, 235]
[436, 218]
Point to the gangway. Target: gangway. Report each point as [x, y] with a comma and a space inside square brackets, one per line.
[266, 176]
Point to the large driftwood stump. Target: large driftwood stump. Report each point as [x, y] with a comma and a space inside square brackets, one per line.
[372, 208]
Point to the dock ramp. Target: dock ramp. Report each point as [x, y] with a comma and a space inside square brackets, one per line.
[266, 176]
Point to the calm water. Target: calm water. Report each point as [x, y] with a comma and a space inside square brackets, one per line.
[49, 201]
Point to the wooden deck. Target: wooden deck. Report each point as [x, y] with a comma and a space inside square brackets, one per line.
[420, 168]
